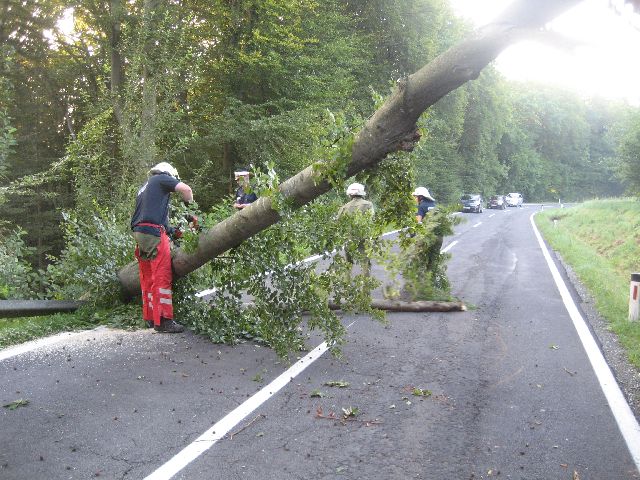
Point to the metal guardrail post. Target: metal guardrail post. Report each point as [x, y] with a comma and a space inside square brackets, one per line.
[634, 297]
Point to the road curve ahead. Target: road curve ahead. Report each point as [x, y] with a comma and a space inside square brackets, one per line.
[503, 390]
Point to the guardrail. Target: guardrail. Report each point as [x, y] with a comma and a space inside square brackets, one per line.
[34, 308]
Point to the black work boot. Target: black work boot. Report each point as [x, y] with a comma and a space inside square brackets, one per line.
[168, 325]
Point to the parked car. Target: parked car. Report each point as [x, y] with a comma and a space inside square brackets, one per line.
[471, 202]
[514, 199]
[497, 201]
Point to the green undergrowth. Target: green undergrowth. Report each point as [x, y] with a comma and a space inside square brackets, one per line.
[600, 240]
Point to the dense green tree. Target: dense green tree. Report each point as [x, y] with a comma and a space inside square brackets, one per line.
[211, 86]
[627, 132]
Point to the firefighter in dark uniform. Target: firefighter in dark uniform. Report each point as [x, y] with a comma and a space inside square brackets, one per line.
[425, 202]
[357, 204]
[244, 195]
[150, 224]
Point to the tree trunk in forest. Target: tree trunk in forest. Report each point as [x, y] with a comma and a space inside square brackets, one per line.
[147, 141]
[228, 164]
[391, 128]
[117, 64]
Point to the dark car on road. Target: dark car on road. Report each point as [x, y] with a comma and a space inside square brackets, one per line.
[497, 201]
[471, 202]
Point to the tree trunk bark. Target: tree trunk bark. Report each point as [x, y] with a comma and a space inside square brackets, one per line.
[117, 64]
[147, 140]
[391, 128]
[418, 306]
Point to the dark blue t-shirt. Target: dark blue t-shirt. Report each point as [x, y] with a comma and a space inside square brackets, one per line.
[424, 206]
[152, 203]
[244, 198]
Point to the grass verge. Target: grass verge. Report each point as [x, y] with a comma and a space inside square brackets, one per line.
[600, 240]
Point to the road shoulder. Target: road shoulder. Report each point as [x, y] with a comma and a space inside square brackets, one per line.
[626, 374]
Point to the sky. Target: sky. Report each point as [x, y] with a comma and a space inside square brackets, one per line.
[605, 61]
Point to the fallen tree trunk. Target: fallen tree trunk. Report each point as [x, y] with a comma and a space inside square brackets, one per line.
[418, 306]
[35, 308]
[402, 306]
[391, 128]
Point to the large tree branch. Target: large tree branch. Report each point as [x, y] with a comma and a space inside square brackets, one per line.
[390, 129]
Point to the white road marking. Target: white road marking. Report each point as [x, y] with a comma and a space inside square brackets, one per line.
[625, 418]
[477, 225]
[40, 343]
[205, 441]
[448, 247]
[390, 233]
[491, 215]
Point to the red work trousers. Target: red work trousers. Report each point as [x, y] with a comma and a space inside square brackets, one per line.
[156, 282]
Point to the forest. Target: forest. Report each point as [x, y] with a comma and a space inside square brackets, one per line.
[213, 86]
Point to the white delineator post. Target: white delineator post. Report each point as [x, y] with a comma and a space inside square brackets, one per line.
[634, 297]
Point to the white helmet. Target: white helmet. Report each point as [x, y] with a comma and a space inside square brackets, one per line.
[422, 192]
[356, 189]
[164, 167]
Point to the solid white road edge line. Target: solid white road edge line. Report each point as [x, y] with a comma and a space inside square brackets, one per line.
[40, 343]
[625, 418]
[221, 428]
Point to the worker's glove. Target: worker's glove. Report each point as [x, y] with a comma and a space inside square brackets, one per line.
[174, 234]
[193, 222]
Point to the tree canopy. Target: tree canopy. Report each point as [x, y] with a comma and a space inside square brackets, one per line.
[277, 85]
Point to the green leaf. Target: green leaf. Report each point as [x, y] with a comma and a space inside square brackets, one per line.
[337, 383]
[16, 403]
[419, 392]
[350, 412]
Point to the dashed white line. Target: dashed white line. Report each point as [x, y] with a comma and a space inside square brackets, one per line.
[625, 418]
[491, 215]
[222, 427]
[477, 225]
[448, 247]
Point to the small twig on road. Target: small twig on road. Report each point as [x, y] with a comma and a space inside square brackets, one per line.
[570, 372]
[231, 435]
[345, 418]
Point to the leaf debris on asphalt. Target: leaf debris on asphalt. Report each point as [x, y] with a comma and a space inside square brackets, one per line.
[421, 392]
[337, 383]
[21, 402]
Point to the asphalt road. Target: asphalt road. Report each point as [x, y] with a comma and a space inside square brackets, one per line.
[513, 394]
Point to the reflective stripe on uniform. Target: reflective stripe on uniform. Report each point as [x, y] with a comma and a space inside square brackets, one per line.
[166, 300]
[165, 291]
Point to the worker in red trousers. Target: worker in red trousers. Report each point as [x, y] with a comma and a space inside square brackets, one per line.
[150, 225]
